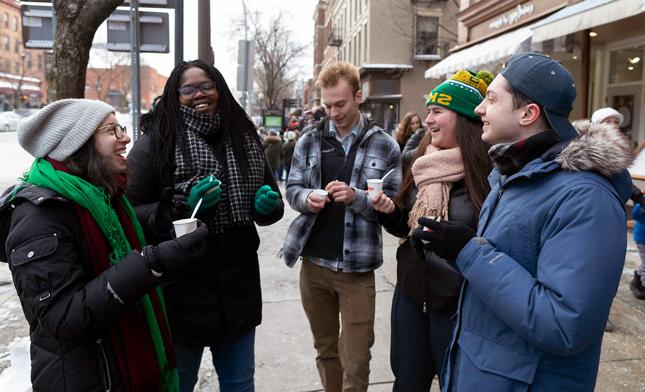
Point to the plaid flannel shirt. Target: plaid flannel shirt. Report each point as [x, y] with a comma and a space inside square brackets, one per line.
[377, 154]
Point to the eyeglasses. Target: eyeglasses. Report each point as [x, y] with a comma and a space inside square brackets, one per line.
[117, 130]
[189, 90]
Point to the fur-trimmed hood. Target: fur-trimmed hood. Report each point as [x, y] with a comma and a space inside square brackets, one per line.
[599, 148]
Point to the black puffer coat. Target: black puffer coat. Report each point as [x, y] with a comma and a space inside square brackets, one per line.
[67, 308]
[221, 295]
[434, 282]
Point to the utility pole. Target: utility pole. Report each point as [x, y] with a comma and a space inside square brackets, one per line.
[135, 100]
[179, 32]
[204, 50]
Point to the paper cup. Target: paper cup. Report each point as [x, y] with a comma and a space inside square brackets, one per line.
[184, 226]
[374, 185]
[320, 193]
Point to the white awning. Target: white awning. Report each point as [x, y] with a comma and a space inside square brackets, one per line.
[483, 53]
[585, 15]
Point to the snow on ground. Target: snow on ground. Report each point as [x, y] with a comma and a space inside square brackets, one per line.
[16, 377]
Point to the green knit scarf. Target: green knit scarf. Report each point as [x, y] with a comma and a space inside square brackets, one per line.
[98, 204]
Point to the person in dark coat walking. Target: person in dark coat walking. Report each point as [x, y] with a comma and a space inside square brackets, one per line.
[199, 144]
[87, 282]
[287, 153]
[272, 145]
[447, 180]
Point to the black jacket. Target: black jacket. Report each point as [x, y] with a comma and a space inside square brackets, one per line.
[434, 282]
[67, 308]
[221, 295]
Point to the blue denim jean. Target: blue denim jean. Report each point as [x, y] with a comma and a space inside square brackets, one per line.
[233, 359]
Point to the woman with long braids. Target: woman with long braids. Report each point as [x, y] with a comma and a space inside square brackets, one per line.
[448, 180]
[199, 144]
[86, 281]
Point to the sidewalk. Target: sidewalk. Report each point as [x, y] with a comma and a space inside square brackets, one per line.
[285, 358]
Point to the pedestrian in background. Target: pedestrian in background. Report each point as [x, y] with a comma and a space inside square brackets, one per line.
[287, 153]
[544, 265]
[337, 235]
[86, 280]
[199, 144]
[272, 145]
[407, 127]
[448, 180]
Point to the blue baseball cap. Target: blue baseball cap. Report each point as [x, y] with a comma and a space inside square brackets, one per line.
[549, 84]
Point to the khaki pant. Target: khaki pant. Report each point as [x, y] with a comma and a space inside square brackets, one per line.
[324, 294]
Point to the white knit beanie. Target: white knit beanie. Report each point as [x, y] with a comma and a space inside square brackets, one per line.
[602, 114]
[59, 129]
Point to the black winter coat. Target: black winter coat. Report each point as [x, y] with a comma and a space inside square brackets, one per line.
[432, 282]
[67, 308]
[220, 296]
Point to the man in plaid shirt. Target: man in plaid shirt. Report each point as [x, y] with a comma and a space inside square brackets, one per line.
[338, 235]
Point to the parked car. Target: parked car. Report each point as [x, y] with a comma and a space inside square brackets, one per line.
[9, 121]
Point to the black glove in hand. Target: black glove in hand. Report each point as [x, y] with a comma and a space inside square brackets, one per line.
[444, 238]
[171, 207]
[178, 253]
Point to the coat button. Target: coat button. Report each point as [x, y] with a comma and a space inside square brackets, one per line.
[30, 254]
[348, 224]
[346, 251]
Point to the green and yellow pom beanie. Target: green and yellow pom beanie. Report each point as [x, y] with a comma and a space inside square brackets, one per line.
[462, 92]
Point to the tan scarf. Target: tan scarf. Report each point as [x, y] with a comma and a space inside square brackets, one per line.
[434, 173]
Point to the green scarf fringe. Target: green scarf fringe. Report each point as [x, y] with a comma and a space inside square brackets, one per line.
[98, 204]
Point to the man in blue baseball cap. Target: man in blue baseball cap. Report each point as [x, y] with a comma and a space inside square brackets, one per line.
[543, 268]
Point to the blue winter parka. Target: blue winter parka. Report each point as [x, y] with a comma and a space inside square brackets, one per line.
[541, 274]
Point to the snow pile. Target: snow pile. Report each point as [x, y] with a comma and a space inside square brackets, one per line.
[16, 377]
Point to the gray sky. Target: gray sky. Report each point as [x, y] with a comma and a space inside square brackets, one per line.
[298, 17]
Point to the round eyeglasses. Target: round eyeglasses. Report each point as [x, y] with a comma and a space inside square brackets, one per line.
[188, 91]
[117, 130]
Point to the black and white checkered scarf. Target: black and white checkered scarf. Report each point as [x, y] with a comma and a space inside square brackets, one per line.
[234, 208]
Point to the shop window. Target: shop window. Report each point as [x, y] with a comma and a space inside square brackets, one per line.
[626, 65]
[427, 34]
[384, 87]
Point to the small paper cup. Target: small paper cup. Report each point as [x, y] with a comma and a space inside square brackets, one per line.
[320, 193]
[184, 226]
[374, 185]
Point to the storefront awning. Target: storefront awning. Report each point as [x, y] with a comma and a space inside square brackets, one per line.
[483, 53]
[585, 15]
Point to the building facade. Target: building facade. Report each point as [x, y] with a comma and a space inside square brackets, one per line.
[112, 85]
[602, 43]
[22, 71]
[392, 42]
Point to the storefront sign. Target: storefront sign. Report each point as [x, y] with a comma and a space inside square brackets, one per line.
[512, 17]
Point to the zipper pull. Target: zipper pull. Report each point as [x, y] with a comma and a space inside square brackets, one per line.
[425, 308]
[500, 193]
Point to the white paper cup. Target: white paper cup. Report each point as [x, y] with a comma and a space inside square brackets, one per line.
[321, 194]
[374, 185]
[185, 226]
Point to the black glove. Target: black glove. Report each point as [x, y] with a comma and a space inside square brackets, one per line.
[444, 238]
[171, 206]
[178, 253]
[637, 196]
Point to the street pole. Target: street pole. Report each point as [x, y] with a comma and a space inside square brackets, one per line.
[179, 32]
[204, 50]
[245, 92]
[134, 51]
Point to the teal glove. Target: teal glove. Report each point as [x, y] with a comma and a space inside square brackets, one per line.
[205, 189]
[266, 200]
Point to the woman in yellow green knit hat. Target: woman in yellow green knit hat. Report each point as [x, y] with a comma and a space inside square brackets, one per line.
[448, 180]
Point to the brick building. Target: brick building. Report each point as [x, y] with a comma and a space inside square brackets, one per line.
[112, 85]
[22, 71]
